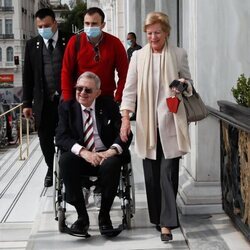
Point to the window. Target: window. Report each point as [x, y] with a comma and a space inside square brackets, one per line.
[8, 26]
[7, 3]
[1, 26]
[9, 54]
[0, 54]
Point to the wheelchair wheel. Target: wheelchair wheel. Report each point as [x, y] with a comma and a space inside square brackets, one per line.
[61, 219]
[56, 184]
[127, 194]
[58, 192]
[128, 216]
[132, 189]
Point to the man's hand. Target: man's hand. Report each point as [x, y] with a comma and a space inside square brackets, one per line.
[106, 154]
[92, 157]
[27, 112]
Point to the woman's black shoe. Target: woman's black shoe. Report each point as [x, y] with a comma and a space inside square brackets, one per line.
[166, 237]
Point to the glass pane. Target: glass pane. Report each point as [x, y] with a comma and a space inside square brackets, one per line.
[1, 26]
[0, 54]
[8, 26]
[7, 3]
[9, 54]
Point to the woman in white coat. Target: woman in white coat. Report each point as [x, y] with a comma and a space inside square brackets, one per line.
[162, 137]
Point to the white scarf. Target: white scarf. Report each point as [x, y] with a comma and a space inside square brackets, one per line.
[146, 120]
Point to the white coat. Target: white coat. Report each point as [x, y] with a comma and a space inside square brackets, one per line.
[151, 101]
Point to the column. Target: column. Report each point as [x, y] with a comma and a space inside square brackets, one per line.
[199, 186]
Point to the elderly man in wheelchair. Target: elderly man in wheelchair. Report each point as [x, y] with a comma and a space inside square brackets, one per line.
[89, 140]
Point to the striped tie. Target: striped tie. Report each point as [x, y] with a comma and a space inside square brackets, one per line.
[88, 132]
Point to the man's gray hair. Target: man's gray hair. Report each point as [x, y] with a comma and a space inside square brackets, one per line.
[90, 75]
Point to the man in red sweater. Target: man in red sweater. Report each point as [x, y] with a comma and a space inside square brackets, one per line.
[98, 52]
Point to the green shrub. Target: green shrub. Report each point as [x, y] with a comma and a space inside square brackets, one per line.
[241, 92]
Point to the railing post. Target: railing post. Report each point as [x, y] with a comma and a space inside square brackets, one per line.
[20, 134]
[28, 136]
[21, 131]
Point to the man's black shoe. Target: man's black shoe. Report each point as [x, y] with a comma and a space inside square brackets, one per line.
[106, 228]
[48, 181]
[109, 231]
[80, 227]
[105, 224]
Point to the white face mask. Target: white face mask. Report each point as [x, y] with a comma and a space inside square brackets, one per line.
[129, 43]
[92, 32]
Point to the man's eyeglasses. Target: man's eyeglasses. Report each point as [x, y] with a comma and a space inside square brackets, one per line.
[86, 90]
[97, 54]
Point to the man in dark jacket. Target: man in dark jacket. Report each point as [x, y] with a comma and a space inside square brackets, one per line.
[131, 41]
[42, 82]
[88, 134]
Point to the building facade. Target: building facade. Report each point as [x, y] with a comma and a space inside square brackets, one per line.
[55, 2]
[216, 37]
[17, 19]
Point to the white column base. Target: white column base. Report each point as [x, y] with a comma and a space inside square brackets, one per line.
[198, 197]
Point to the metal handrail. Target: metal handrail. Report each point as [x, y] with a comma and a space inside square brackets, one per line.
[228, 119]
[20, 130]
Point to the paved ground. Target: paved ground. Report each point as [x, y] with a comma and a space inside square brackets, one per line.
[27, 217]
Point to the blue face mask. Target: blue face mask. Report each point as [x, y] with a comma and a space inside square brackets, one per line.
[129, 43]
[46, 33]
[92, 32]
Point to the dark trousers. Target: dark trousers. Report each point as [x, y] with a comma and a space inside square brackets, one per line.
[161, 179]
[74, 167]
[46, 131]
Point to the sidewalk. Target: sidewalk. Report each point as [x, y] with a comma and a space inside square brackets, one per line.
[212, 232]
[143, 235]
[27, 216]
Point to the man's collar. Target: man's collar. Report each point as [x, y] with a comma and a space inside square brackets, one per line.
[54, 37]
[92, 106]
[98, 42]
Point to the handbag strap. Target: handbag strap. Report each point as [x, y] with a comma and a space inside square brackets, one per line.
[194, 90]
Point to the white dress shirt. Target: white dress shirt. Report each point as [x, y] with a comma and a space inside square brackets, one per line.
[99, 146]
[54, 37]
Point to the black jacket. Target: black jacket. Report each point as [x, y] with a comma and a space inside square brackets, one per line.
[33, 80]
[108, 121]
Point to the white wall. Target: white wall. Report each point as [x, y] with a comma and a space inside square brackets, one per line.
[216, 35]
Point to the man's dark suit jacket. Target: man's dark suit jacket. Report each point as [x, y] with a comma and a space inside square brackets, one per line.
[33, 79]
[108, 120]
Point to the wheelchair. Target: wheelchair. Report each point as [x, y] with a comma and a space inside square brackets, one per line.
[125, 192]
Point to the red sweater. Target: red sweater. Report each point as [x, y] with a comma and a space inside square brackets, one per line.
[112, 57]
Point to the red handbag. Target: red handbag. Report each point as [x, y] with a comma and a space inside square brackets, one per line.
[173, 103]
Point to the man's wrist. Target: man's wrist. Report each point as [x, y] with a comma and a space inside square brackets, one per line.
[115, 148]
[82, 150]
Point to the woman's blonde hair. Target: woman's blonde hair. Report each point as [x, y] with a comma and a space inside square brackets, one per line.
[157, 17]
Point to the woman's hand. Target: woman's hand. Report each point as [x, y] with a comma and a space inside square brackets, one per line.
[175, 90]
[125, 128]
